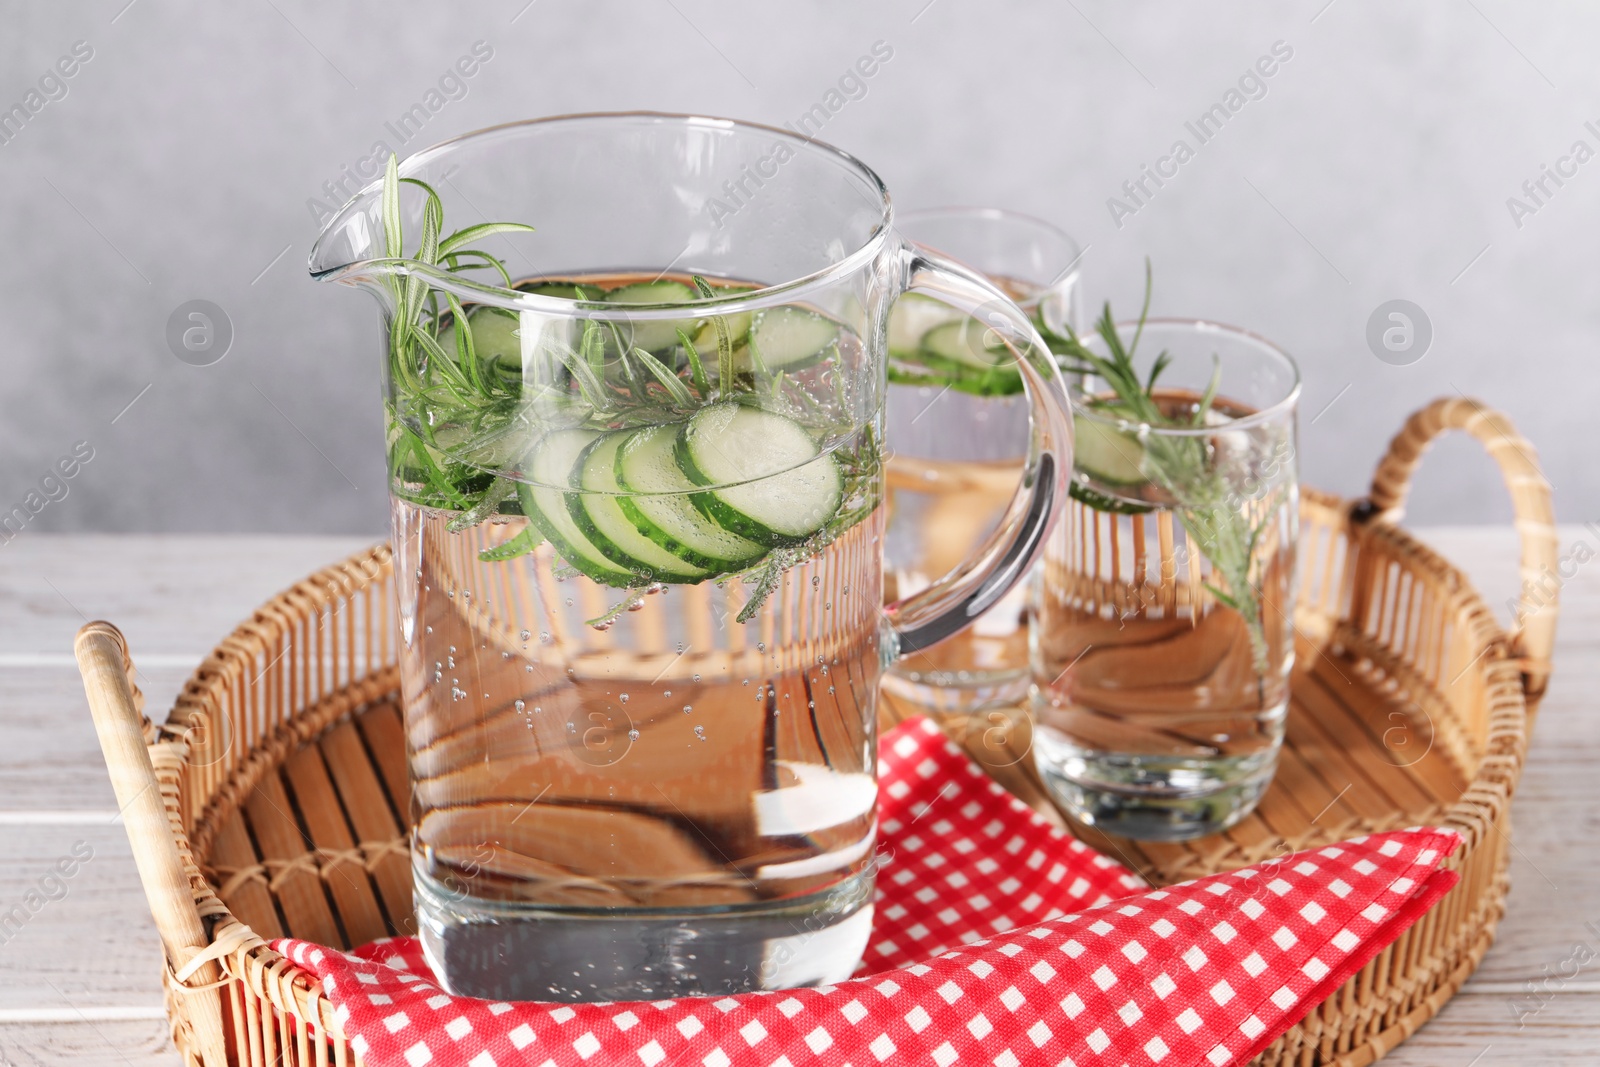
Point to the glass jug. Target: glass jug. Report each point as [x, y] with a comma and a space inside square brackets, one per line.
[636, 468]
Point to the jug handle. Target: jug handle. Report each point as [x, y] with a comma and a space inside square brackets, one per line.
[955, 601]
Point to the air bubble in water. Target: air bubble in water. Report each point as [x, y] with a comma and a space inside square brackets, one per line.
[761, 646]
[623, 698]
[687, 708]
[830, 689]
[696, 677]
[700, 732]
[438, 676]
[667, 693]
[633, 735]
[519, 704]
[525, 635]
[428, 629]
[544, 635]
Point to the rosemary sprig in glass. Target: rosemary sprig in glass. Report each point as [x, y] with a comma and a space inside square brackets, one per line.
[1188, 467]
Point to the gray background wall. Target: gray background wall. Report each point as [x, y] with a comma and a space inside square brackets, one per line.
[1377, 166]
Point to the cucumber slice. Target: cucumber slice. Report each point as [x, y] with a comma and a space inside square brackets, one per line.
[659, 504]
[662, 334]
[491, 451]
[598, 513]
[494, 335]
[664, 291]
[773, 486]
[551, 463]
[966, 341]
[1107, 455]
[788, 338]
[705, 342]
[912, 316]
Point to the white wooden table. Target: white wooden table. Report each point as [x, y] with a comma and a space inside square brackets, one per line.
[79, 972]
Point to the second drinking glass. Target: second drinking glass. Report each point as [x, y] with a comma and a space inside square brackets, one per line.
[1162, 640]
[958, 427]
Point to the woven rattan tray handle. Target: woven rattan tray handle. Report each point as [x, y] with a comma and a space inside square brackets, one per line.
[1534, 631]
[104, 663]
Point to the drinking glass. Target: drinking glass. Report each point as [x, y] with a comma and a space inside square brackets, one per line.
[959, 434]
[635, 463]
[1162, 639]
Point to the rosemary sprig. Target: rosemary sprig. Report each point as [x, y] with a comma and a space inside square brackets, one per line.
[1186, 466]
[725, 373]
[520, 545]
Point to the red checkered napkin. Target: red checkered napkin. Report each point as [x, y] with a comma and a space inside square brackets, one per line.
[1031, 950]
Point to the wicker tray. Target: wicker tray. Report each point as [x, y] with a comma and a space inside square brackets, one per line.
[272, 800]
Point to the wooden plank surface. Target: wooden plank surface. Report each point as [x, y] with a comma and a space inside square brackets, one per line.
[173, 597]
[51, 759]
[83, 938]
[79, 983]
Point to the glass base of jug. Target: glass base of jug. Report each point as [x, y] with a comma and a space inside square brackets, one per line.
[502, 951]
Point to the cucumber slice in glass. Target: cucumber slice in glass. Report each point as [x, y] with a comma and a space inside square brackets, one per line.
[1106, 454]
[774, 485]
[966, 341]
[494, 335]
[551, 464]
[658, 502]
[662, 334]
[664, 291]
[789, 338]
[705, 341]
[912, 316]
[597, 511]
